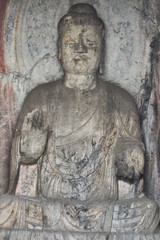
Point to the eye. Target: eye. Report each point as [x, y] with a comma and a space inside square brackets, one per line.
[70, 43]
[90, 43]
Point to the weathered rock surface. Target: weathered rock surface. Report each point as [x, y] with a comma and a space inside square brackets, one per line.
[28, 43]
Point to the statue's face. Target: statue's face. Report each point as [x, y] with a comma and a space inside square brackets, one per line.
[80, 48]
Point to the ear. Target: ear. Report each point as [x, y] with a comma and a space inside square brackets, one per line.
[101, 64]
[102, 61]
[59, 53]
[59, 50]
[101, 68]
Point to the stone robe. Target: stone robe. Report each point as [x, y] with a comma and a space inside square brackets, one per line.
[77, 185]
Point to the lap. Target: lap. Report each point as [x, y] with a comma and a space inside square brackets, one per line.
[131, 215]
[135, 215]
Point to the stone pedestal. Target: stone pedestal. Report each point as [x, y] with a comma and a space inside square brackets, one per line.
[53, 235]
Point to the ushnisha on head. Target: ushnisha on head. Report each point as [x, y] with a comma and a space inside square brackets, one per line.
[80, 42]
[80, 14]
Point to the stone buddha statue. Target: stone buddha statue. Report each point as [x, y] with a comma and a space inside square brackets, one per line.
[84, 135]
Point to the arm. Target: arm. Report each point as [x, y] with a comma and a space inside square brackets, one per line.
[129, 149]
[29, 140]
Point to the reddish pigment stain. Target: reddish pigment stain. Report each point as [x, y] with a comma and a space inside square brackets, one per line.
[7, 97]
[3, 7]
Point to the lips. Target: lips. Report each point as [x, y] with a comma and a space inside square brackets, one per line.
[80, 58]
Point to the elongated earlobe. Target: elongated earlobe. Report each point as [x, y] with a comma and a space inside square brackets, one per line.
[59, 49]
[59, 54]
[100, 70]
[102, 61]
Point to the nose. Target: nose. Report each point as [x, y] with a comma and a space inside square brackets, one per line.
[80, 47]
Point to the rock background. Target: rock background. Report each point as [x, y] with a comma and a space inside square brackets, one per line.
[28, 57]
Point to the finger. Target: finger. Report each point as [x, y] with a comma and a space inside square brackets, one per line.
[73, 210]
[26, 123]
[45, 128]
[40, 120]
[35, 118]
[29, 121]
[22, 140]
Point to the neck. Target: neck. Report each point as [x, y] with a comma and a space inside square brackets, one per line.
[83, 82]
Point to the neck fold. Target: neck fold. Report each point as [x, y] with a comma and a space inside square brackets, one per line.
[83, 82]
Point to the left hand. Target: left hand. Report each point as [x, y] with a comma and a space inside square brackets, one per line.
[130, 163]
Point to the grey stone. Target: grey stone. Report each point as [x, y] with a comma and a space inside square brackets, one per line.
[84, 135]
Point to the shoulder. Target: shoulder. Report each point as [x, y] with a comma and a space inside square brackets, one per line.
[120, 97]
[40, 94]
[116, 90]
[124, 107]
[44, 90]
[39, 97]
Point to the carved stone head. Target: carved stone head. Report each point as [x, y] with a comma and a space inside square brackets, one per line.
[80, 42]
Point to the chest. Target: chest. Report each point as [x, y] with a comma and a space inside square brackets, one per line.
[77, 112]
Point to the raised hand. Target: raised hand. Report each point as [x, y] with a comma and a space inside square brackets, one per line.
[33, 137]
